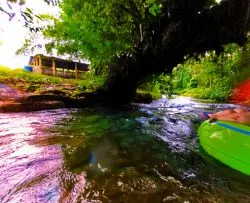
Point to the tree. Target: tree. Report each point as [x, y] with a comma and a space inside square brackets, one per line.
[98, 30]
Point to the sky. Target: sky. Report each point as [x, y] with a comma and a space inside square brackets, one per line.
[12, 33]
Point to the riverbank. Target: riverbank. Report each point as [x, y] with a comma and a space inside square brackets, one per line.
[14, 100]
[23, 92]
[54, 99]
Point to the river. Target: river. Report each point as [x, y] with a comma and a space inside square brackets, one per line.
[141, 153]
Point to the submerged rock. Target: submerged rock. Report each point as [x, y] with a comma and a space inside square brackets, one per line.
[31, 106]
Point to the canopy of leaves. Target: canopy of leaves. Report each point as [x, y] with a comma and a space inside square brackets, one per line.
[100, 29]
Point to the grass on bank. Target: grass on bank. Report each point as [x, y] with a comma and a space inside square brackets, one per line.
[37, 83]
[155, 95]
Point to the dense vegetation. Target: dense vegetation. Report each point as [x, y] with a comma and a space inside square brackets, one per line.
[136, 39]
[206, 76]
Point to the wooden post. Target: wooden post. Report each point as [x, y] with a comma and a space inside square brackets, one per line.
[53, 67]
[76, 71]
[40, 64]
[35, 64]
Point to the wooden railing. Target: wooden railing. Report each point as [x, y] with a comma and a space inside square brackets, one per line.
[67, 69]
[63, 73]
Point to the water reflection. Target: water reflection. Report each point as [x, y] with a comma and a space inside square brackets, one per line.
[28, 173]
[143, 153]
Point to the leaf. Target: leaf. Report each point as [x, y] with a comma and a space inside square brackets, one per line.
[25, 18]
[28, 15]
[21, 2]
[29, 10]
[39, 17]
[10, 7]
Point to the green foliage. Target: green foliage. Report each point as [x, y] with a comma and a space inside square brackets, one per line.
[92, 81]
[100, 30]
[154, 7]
[208, 76]
[155, 95]
[157, 85]
[89, 29]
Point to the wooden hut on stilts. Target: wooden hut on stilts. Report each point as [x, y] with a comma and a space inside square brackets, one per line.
[57, 67]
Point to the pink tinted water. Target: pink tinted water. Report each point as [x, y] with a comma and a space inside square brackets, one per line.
[30, 172]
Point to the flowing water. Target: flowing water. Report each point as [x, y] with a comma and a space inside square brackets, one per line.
[142, 153]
